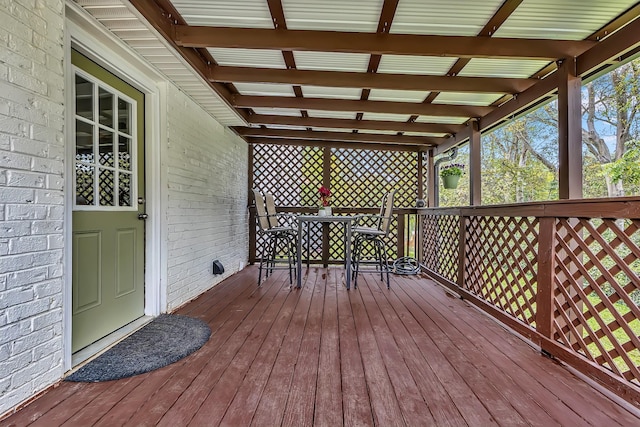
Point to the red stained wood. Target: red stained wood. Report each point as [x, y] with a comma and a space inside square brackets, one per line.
[322, 355]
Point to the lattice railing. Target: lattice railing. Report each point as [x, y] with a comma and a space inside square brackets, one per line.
[503, 273]
[440, 244]
[572, 286]
[597, 291]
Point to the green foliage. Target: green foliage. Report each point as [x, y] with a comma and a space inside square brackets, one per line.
[454, 169]
[626, 168]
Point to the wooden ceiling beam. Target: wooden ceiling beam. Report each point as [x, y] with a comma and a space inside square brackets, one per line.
[326, 104]
[370, 80]
[267, 119]
[380, 44]
[338, 136]
[337, 144]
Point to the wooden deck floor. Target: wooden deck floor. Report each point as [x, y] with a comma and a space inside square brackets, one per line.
[326, 356]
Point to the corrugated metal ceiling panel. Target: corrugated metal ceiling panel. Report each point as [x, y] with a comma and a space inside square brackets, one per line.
[248, 57]
[397, 95]
[386, 116]
[277, 111]
[225, 13]
[561, 19]
[332, 15]
[430, 65]
[510, 68]
[331, 92]
[440, 119]
[467, 98]
[332, 114]
[332, 61]
[266, 89]
[458, 17]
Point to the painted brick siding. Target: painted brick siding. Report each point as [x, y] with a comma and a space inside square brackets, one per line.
[206, 167]
[31, 197]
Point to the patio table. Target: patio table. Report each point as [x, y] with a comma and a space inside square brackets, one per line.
[346, 220]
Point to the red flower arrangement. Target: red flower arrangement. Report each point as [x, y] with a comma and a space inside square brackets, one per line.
[325, 195]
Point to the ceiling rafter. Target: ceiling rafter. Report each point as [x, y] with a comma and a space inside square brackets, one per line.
[338, 136]
[380, 44]
[370, 80]
[391, 107]
[322, 122]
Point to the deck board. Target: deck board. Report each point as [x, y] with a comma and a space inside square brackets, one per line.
[322, 355]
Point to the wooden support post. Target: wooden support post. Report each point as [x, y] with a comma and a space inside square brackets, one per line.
[252, 215]
[545, 279]
[569, 131]
[475, 164]
[326, 181]
[431, 181]
[420, 176]
[401, 235]
[462, 237]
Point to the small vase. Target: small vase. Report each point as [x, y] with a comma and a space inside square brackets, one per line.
[322, 212]
[327, 211]
[450, 181]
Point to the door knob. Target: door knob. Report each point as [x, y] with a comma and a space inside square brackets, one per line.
[143, 216]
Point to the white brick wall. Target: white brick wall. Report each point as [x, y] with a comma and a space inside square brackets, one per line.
[31, 197]
[207, 214]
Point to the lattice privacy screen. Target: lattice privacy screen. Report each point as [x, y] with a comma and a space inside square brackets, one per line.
[359, 179]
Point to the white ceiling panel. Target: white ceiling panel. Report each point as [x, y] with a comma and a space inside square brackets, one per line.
[467, 98]
[386, 116]
[332, 61]
[397, 95]
[263, 58]
[332, 15]
[277, 111]
[331, 92]
[509, 68]
[264, 89]
[457, 17]
[225, 13]
[561, 19]
[331, 114]
[402, 64]
[441, 119]
[383, 132]
[437, 135]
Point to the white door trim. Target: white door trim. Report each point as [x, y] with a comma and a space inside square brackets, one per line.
[89, 37]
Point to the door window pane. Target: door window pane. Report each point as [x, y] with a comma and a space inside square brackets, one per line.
[84, 98]
[124, 193]
[84, 184]
[84, 141]
[106, 187]
[106, 108]
[106, 148]
[124, 153]
[124, 116]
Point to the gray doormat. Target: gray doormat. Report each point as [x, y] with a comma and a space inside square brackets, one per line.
[165, 340]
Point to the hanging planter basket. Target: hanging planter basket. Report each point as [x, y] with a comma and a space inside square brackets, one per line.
[450, 181]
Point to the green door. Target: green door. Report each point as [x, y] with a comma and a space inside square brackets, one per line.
[108, 236]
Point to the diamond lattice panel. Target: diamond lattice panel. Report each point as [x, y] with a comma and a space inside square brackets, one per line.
[440, 244]
[501, 263]
[359, 178]
[292, 174]
[597, 292]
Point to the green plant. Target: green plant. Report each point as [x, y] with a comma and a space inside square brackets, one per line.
[454, 169]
